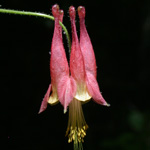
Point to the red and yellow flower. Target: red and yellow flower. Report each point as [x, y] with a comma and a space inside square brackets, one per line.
[78, 84]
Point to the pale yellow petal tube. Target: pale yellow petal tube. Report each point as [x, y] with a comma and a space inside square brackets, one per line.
[53, 99]
[82, 93]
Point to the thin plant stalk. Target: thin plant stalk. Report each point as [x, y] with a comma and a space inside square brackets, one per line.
[28, 13]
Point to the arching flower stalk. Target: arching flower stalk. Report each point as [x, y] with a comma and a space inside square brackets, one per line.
[78, 84]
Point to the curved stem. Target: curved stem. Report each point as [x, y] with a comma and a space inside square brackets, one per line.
[28, 13]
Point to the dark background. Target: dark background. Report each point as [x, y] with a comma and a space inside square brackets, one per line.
[120, 33]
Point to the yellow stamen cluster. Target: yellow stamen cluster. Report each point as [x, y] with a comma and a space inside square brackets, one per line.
[77, 126]
[77, 134]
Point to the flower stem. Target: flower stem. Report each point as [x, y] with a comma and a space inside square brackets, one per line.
[28, 13]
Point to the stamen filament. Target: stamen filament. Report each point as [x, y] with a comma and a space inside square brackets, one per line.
[77, 126]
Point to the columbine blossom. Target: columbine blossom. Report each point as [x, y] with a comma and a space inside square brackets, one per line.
[78, 84]
[77, 126]
[62, 86]
[89, 60]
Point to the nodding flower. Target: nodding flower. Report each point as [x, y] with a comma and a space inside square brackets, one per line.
[89, 60]
[78, 84]
[62, 87]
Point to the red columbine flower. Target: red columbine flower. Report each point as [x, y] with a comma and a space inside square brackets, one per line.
[77, 66]
[76, 125]
[89, 60]
[83, 70]
[62, 87]
[81, 85]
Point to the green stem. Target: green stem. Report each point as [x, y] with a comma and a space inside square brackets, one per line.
[28, 13]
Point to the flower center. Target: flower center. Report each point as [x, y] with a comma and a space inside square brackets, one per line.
[77, 126]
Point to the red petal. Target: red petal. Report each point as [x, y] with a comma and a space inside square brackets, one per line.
[86, 45]
[94, 90]
[58, 61]
[66, 91]
[61, 14]
[55, 10]
[89, 60]
[45, 99]
[76, 59]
